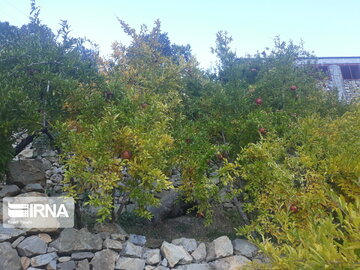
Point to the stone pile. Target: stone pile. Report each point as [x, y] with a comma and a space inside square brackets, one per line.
[81, 250]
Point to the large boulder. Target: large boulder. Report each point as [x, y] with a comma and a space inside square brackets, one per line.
[219, 248]
[72, 240]
[23, 172]
[9, 258]
[104, 260]
[170, 206]
[175, 254]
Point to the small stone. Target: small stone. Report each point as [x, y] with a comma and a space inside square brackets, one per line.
[189, 244]
[70, 265]
[31, 246]
[137, 239]
[10, 234]
[126, 263]
[45, 237]
[199, 254]
[194, 266]
[244, 248]
[149, 267]
[164, 262]
[82, 255]
[112, 244]
[33, 187]
[104, 235]
[219, 248]
[83, 265]
[120, 237]
[25, 262]
[9, 190]
[46, 164]
[44, 259]
[232, 262]
[64, 259]
[132, 250]
[17, 241]
[152, 256]
[51, 265]
[56, 178]
[104, 260]
[175, 254]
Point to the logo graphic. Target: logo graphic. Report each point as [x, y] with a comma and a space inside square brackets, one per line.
[38, 212]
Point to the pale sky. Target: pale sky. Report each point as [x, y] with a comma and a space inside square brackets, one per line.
[328, 27]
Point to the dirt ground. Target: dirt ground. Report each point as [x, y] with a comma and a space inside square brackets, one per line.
[189, 226]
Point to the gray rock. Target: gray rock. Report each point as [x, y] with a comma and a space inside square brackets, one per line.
[45, 237]
[219, 248]
[131, 250]
[244, 248]
[72, 240]
[230, 263]
[17, 241]
[189, 244]
[56, 178]
[170, 206]
[32, 194]
[9, 234]
[9, 190]
[104, 260]
[164, 262]
[175, 254]
[9, 258]
[112, 244]
[137, 239]
[83, 265]
[70, 265]
[49, 153]
[51, 249]
[33, 268]
[44, 259]
[33, 187]
[46, 164]
[104, 235]
[193, 266]
[152, 256]
[160, 267]
[25, 172]
[199, 254]
[64, 259]
[117, 236]
[25, 262]
[82, 255]
[51, 265]
[31, 246]
[126, 263]
[149, 267]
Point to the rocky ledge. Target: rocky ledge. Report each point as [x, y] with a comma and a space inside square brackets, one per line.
[73, 249]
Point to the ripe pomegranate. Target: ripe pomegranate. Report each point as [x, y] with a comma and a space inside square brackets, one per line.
[262, 130]
[293, 87]
[258, 101]
[126, 154]
[144, 105]
[293, 208]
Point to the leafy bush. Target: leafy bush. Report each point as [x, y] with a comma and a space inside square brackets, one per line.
[302, 191]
